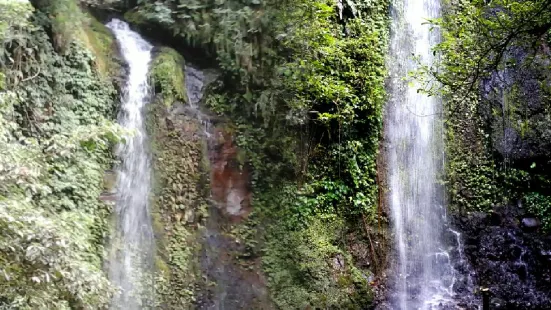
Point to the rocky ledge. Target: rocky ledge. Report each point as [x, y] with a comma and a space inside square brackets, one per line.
[511, 257]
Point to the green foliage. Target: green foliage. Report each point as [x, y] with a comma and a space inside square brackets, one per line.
[168, 76]
[479, 35]
[540, 205]
[307, 268]
[13, 19]
[65, 19]
[478, 39]
[476, 178]
[303, 87]
[322, 107]
[233, 29]
[47, 260]
[55, 143]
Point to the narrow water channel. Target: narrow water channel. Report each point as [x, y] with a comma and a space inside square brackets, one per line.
[132, 244]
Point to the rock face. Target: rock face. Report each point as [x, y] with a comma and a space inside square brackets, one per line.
[516, 110]
[229, 181]
[510, 258]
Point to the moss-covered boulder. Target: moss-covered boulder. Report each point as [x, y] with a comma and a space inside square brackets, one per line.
[101, 41]
[167, 72]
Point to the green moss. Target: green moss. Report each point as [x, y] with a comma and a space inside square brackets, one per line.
[168, 76]
[135, 17]
[307, 268]
[66, 18]
[101, 41]
[540, 205]
[178, 173]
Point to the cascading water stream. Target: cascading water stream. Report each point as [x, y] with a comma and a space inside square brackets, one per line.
[424, 272]
[132, 244]
[195, 81]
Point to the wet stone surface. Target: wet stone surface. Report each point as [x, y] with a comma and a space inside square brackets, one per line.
[510, 256]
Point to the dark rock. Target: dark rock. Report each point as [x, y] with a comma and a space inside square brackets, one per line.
[545, 255]
[494, 219]
[515, 252]
[513, 262]
[522, 272]
[517, 111]
[161, 34]
[491, 256]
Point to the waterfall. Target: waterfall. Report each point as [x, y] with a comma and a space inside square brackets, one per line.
[424, 275]
[132, 244]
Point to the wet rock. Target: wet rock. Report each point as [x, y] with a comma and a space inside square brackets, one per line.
[106, 197]
[513, 262]
[109, 194]
[517, 112]
[179, 108]
[229, 178]
[530, 223]
[497, 303]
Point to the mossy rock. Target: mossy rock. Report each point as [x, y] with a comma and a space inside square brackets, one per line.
[69, 23]
[167, 72]
[307, 268]
[66, 20]
[102, 42]
[177, 154]
[162, 266]
[135, 17]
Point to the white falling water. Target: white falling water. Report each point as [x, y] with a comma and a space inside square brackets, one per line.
[133, 242]
[195, 81]
[424, 276]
